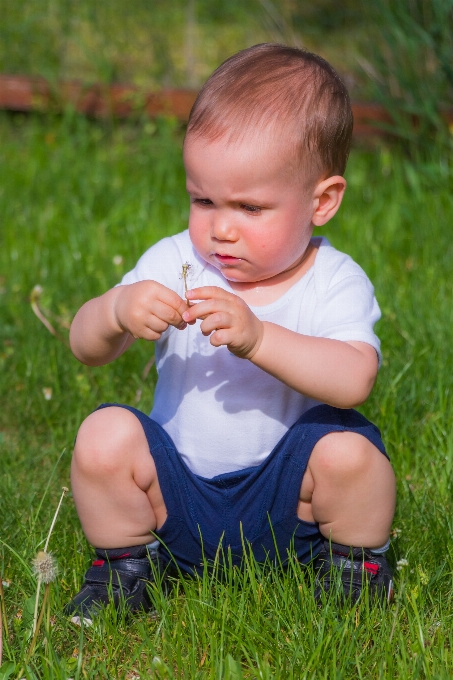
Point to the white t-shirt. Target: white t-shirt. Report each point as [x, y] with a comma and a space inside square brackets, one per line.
[223, 413]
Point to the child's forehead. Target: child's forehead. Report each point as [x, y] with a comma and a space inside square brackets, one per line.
[261, 153]
[249, 144]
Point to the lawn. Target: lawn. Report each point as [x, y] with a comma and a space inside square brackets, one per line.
[79, 202]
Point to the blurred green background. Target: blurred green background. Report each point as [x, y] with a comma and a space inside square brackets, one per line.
[176, 43]
[397, 53]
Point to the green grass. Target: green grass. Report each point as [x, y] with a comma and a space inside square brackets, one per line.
[178, 43]
[73, 195]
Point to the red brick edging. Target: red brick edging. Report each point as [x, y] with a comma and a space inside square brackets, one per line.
[25, 93]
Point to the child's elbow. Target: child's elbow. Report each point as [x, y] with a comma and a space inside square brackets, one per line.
[359, 392]
[360, 378]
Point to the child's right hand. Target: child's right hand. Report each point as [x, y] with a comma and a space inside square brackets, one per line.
[147, 308]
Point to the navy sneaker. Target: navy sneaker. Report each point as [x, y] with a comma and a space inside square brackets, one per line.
[118, 575]
[357, 569]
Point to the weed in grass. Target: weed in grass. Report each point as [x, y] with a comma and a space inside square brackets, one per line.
[70, 203]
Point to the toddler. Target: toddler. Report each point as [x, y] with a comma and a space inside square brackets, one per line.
[264, 345]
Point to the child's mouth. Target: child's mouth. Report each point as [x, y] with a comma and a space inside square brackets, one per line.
[226, 259]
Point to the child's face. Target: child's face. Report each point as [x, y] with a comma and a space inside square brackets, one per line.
[251, 211]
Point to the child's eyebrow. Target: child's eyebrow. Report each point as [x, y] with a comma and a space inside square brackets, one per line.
[258, 201]
[192, 189]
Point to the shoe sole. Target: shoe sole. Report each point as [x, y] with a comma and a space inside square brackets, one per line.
[81, 621]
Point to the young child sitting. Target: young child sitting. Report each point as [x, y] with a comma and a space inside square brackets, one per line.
[252, 438]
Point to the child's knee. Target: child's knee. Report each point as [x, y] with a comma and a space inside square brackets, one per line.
[104, 439]
[344, 456]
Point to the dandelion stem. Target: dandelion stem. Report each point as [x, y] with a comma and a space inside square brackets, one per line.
[38, 625]
[185, 271]
[63, 494]
[35, 613]
[38, 588]
[3, 619]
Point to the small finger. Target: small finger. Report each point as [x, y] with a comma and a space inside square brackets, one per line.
[156, 324]
[201, 310]
[219, 338]
[149, 334]
[167, 313]
[215, 321]
[207, 292]
[169, 299]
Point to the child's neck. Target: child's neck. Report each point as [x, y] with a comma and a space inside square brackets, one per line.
[261, 293]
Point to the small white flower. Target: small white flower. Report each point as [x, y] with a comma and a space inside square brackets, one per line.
[117, 260]
[47, 392]
[6, 583]
[401, 564]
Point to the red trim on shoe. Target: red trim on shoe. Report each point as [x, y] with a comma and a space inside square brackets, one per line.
[120, 557]
[371, 568]
[98, 563]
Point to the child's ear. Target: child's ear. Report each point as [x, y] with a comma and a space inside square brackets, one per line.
[327, 199]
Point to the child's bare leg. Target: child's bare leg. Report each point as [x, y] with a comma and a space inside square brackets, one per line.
[114, 481]
[349, 488]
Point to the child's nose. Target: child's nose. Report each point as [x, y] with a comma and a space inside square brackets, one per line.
[224, 228]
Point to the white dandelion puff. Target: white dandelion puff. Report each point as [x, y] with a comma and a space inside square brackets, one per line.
[45, 567]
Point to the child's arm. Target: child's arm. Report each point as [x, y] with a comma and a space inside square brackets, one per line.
[106, 326]
[331, 371]
[338, 373]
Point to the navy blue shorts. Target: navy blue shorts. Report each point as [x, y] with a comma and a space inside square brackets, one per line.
[254, 507]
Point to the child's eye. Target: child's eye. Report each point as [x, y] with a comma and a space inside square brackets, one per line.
[202, 201]
[254, 209]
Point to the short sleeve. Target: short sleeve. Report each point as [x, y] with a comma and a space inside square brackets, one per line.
[348, 311]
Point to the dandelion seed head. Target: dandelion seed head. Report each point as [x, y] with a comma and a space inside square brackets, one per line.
[117, 260]
[401, 564]
[185, 268]
[45, 566]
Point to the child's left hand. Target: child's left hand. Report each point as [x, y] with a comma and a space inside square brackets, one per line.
[227, 319]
